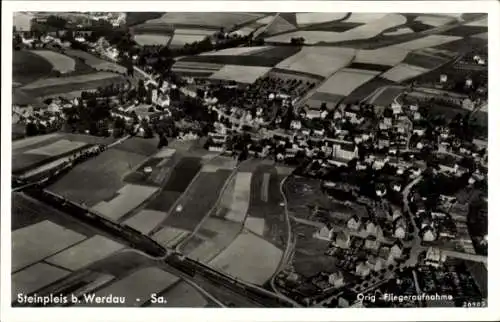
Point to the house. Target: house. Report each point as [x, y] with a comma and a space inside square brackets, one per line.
[344, 150]
[336, 279]
[419, 130]
[372, 243]
[375, 263]
[399, 232]
[324, 233]
[296, 125]
[354, 223]
[428, 234]
[396, 108]
[343, 240]
[373, 229]
[397, 249]
[385, 254]
[383, 141]
[434, 257]
[362, 269]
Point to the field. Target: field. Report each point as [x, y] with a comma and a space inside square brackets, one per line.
[423, 60]
[310, 18]
[385, 95]
[249, 258]
[346, 80]
[465, 31]
[367, 88]
[138, 286]
[368, 29]
[424, 42]
[403, 72]
[145, 221]
[179, 40]
[51, 86]
[278, 25]
[319, 98]
[129, 197]
[170, 236]
[364, 17]
[398, 31]
[33, 243]
[98, 178]
[57, 148]
[265, 58]
[434, 21]
[240, 197]
[85, 253]
[198, 200]
[237, 51]
[59, 62]
[28, 67]
[95, 62]
[161, 165]
[195, 68]
[383, 56]
[240, 74]
[478, 23]
[151, 39]
[182, 295]
[205, 19]
[321, 61]
[212, 238]
[35, 277]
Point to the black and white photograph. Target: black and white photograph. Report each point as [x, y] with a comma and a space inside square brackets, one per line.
[238, 159]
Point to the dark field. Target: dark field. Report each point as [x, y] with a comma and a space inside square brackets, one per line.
[28, 67]
[464, 31]
[182, 174]
[268, 58]
[134, 18]
[141, 146]
[334, 26]
[156, 177]
[425, 61]
[200, 198]
[27, 211]
[366, 89]
[289, 72]
[164, 200]
[373, 67]
[192, 73]
[463, 45]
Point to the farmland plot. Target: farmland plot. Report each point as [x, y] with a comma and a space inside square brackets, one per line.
[179, 40]
[250, 258]
[98, 178]
[434, 21]
[346, 80]
[240, 74]
[206, 19]
[241, 197]
[421, 59]
[129, 197]
[278, 25]
[170, 236]
[404, 72]
[145, 221]
[364, 17]
[95, 62]
[222, 232]
[33, 243]
[427, 41]
[138, 286]
[85, 253]
[28, 67]
[60, 81]
[57, 148]
[59, 62]
[151, 39]
[399, 31]
[34, 278]
[237, 51]
[309, 18]
[321, 61]
[478, 23]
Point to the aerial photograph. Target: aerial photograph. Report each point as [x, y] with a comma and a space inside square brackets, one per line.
[249, 159]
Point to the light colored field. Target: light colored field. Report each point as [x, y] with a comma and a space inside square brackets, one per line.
[181, 40]
[219, 163]
[309, 18]
[226, 233]
[129, 197]
[241, 197]
[321, 61]
[138, 286]
[399, 31]
[382, 56]
[483, 35]
[33, 243]
[182, 295]
[96, 62]
[427, 41]
[364, 17]
[57, 148]
[403, 72]
[255, 225]
[182, 31]
[79, 79]
[240, 74]
[59, 62]
[284, 171]
[165, 153]
[249, 258]
[237, 51]
[146, 220]
[34, 278]
[368, 30]
[478, 23]
[19, 144]
[245, 31]
[151, 39]
[85, 253]
[266, 20]
[22, 21]
[213, 19]
[169, 236]
[346, 80]
[434, 21]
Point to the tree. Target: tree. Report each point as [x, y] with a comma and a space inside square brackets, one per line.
[31, 129]
[56, 22]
